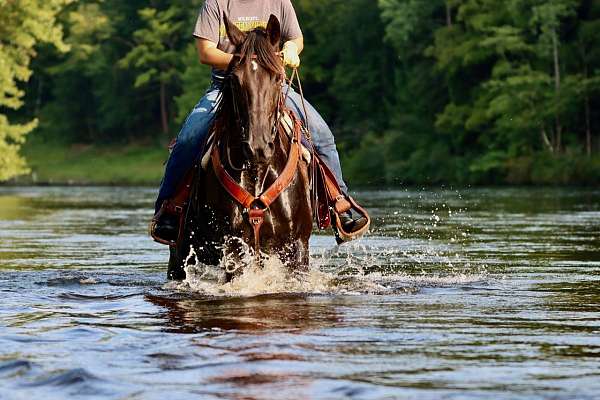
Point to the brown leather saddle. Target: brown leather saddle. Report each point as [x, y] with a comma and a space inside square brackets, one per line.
[328, 200]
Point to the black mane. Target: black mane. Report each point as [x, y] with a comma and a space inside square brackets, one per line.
[256, 47]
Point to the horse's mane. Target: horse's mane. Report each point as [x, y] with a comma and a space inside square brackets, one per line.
[256, 47]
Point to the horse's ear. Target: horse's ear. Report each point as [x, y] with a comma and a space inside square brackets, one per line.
[274, 30]
[235, 35]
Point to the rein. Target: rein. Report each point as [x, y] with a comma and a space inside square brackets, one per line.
[255, 206]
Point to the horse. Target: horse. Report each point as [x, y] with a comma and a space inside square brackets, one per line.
[252, 156]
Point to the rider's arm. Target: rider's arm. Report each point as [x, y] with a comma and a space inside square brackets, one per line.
[292, 34]
[299, 43]
[210, 55]
[291, 52]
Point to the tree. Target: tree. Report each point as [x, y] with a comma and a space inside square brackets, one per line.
[412, 148]
[547, 17]
[346, 66]
[23, 25]
[415, 91]
[195, 80]
[587, 54]
[157, 52]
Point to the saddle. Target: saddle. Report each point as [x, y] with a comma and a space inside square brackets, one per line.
[328, 201]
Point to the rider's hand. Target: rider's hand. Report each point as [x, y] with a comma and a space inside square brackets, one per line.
[290, 54]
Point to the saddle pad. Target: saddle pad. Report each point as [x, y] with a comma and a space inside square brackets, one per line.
[288, 126]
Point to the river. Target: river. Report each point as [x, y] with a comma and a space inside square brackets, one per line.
[455, 294]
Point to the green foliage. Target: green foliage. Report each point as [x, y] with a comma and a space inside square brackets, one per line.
[480, 85]
[461, 91]
[369, 157]
[346, 68]
[195, 80]
[23, 24]
[155, 54]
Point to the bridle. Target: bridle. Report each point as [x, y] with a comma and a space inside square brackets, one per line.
[236, 111]
[256, 206]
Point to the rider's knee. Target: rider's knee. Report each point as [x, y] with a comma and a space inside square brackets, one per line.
[194, 129]
[322, 135]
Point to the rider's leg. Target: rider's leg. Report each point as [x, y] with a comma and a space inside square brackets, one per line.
[325, 146]
[188, 145]
[321, 135]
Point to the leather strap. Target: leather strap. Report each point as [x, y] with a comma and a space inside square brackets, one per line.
[256, 216]
[257, 205]
[341, 204]
[337, 198]
[240, 194]
[287, 175]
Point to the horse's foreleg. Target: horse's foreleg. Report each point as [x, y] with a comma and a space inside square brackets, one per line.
[295, 256]
[303, 255]
[175, 270]
[236, 257]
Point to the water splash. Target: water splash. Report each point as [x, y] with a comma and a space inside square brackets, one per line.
[343, 270]
[272, 277]
[403, 253]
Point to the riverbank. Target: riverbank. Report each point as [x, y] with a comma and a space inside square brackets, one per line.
[142, 164]
[132, 164]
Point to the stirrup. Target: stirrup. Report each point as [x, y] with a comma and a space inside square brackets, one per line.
[156, 238]
[341, 235]
[170, 209]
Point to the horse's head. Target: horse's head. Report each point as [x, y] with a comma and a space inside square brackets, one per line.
[254, 81]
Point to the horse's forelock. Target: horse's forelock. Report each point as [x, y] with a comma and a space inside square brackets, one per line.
[255, 48]
[257, 44]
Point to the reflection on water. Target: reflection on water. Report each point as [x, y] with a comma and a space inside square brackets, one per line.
[455, 294]
[256, 314]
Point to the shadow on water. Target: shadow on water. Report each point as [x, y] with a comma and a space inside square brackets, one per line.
[255, 314]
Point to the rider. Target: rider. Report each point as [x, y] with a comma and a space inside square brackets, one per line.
[214, 49]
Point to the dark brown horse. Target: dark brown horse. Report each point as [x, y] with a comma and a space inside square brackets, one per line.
[254, 152]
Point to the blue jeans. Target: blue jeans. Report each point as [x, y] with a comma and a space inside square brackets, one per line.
[190, 140]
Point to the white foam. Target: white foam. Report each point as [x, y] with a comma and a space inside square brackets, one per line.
[423, 252]
[272, 277]
[348, 278]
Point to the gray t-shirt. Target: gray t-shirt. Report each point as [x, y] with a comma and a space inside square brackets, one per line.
[246, 15]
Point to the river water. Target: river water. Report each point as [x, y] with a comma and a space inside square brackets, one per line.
[477, 293]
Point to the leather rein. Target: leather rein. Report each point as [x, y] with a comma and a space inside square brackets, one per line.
[255, 206]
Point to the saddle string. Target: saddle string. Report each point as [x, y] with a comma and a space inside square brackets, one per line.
[313, 162]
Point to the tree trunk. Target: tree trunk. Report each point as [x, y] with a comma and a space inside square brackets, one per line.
[38, 99]
[558, 144]
[588, 123]
[448, 15]
[163, 109]
[588, 127]
[546, 140]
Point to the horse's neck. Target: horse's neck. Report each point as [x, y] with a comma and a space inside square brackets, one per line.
[258, 176]
[231, 138]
